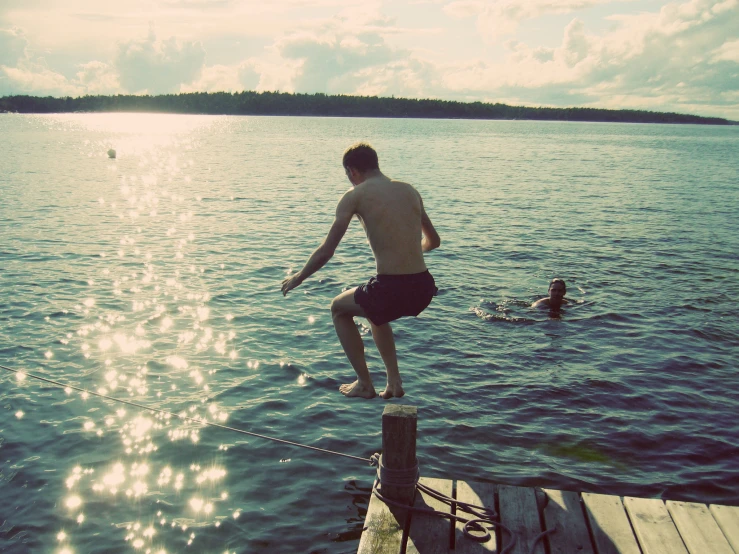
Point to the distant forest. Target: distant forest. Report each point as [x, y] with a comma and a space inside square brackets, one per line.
[281, 103]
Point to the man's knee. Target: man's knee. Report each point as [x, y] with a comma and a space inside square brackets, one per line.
[344, 305]
[336, 309]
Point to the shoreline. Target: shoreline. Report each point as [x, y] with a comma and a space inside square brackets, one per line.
[322, 105]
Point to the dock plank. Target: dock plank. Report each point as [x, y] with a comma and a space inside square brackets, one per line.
[698, 528]
[519, 513]
[653, 525]
[727, 518]
[383, 530]
[563, 513]
[430, 534]
[479, 494]
[610, 525]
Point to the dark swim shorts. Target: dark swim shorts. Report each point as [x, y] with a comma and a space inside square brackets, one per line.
[385, 298]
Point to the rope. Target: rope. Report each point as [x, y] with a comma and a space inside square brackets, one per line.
[185, 417]
[395, 477]
[484, 519]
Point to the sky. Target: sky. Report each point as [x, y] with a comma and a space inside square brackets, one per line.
[676, 56]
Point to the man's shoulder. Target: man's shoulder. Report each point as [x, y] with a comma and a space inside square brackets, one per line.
[403, 184]
[348, 200]
[388, 189]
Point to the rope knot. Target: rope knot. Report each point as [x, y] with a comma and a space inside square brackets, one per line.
[396, 477]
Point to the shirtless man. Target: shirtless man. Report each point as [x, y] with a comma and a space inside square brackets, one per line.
[557, 291]
[393, 217]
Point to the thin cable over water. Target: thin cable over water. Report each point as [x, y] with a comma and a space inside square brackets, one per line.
[185, 417]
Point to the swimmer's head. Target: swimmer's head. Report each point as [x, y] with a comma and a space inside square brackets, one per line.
[361, 157]
[559, 281]
[557, 290]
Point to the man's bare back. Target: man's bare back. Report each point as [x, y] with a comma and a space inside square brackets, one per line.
[391, 214]
[399, 232]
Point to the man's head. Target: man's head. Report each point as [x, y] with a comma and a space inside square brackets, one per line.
[360, 159]
[557, 291]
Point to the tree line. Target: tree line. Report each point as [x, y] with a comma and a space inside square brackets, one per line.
[283, 103]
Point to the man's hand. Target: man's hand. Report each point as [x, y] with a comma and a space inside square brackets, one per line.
[290, 283]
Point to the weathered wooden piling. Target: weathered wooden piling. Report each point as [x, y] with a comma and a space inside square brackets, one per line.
[399, 425]
[384, 525]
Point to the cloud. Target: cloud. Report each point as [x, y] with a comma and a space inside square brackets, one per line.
[342, 55]
[249, 76]
[21, 74]
[216, 78]
[728, 51]
[330, 62]
[98, 78]
[158, 67]
[502, 17]
[198, 4]
[144, 65]
[683, 58]
[35, 80]
[13, 45]
[412, 77]
[576, 45]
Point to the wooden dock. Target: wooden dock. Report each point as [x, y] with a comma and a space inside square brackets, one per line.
[578, 523]
[583, 523]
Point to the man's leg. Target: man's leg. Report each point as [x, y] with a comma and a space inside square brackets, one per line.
[385, 342]
[343, 310]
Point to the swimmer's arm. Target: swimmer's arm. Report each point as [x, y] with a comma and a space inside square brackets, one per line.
[542, 302]
[431, 238]
[322, 254]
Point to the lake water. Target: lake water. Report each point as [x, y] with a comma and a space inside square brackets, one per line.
[155, 277]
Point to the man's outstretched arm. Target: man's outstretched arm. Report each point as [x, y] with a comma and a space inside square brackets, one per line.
[322, 254]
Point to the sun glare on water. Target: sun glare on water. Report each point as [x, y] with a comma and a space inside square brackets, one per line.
[145, 292]
[140, 123]
[137, 133]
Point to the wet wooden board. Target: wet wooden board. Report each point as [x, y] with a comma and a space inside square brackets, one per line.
[479, 494]
[430, 534]
[609, 524]
[585, 524]
[698, 528]
[383, 532]
[564, 513]
[727, 518]
[653, 525]
[519, 513]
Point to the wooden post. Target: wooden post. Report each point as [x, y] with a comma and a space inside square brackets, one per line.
[384, 524]
[399, 447]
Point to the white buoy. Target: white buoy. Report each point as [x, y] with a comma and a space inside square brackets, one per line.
[111, 153]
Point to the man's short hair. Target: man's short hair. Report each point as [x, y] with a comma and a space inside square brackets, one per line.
[558, 280]
[362, 157]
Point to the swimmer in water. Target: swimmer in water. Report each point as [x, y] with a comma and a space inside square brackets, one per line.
[556, 298]
[399, 232]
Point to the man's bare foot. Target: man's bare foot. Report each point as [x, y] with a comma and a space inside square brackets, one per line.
[357, 389]
[392, 391]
